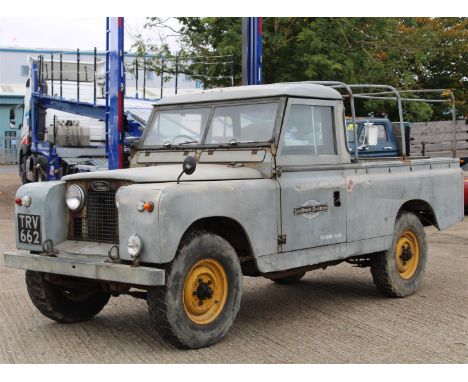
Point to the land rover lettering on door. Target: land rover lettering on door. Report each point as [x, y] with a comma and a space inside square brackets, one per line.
[245, 181]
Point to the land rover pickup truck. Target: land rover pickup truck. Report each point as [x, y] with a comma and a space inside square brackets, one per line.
[243, 181]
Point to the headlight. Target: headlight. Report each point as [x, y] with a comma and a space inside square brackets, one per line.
[134, 246]
[74, 197]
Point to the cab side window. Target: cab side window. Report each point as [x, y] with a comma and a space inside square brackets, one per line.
[309, 130]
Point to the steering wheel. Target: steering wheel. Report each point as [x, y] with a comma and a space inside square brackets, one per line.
[183, 136]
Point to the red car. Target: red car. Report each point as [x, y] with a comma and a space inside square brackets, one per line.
[465, 183]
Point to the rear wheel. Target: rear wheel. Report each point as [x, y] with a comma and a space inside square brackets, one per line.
[62, 304]
[400, 270]
[201, 298]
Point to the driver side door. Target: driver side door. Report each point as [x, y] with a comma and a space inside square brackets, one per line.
[313, 194]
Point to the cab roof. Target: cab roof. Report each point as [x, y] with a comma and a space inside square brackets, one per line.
[297, 89]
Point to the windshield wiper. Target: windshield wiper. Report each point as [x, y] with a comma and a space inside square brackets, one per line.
[186, 143]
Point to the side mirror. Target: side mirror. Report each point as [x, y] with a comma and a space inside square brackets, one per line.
[188, 167]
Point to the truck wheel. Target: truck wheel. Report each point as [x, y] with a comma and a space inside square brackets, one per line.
[60, 304]
[202, 295]
[289, 279]
[399, 271]
[41, 166]
[22, 171]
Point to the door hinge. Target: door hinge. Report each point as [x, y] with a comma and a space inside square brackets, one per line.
[282, 239]
[277, 172]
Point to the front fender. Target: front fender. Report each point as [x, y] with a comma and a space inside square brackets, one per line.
[252, 203]
[47, 201]
[145, 224]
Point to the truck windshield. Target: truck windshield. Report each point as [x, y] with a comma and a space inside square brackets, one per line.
[253, 122]
[175, 127]
[242, 123]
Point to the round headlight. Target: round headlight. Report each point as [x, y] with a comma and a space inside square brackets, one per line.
[134, 245]
[74, 197]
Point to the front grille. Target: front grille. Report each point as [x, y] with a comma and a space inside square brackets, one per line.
[98, 219]
[77, 230]
[102, 216]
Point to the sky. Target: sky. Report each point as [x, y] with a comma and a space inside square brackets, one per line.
[68, 33]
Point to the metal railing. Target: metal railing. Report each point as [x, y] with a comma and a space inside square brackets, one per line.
[46, 71]
[443, 92]
[392, 94]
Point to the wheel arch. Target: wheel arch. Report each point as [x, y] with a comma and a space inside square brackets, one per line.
[234, 233]
[422, 209]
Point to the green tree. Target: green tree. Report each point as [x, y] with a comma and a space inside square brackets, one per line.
[403, 52]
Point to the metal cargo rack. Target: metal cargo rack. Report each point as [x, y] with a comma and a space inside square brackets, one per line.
[390, 93]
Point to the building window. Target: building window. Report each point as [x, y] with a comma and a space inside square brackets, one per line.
[24, 70]
[149, 75]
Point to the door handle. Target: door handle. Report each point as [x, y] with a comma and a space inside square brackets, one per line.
[336, 199]
[388, 148]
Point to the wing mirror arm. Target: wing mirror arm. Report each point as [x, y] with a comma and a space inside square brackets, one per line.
[188, 167]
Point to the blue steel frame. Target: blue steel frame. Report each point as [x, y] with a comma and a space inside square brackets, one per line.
[39, 101]
[255, 52]
[116, 90]
[112, 112]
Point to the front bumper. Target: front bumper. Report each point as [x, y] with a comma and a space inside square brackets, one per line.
[95, 269]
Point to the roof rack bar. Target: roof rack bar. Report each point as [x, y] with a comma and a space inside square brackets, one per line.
[446, 92]
[363, 96]
[391, 90]
[400, 109]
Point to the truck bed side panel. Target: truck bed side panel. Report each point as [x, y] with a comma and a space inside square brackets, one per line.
[376, 194]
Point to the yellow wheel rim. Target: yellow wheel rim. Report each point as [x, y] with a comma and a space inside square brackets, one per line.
[205, 291]
[407, 255]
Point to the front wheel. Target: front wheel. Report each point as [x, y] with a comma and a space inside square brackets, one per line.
[63, 304]
[399, 271]
[202, 295]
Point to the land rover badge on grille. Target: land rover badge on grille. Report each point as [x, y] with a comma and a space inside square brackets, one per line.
[100, 185]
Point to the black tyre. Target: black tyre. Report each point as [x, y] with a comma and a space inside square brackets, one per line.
[23, 169]
[60, 304]
[289, 279]
[399, 271]
[202, 295]
[41, 168]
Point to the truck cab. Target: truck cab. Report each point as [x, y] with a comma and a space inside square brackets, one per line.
[385, 143]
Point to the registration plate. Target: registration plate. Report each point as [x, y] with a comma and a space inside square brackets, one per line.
[29, 229]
